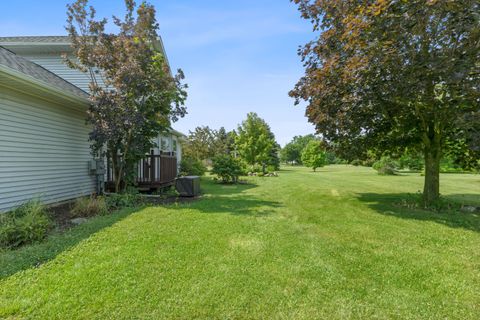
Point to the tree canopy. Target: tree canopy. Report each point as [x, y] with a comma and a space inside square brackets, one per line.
[313, 155]
[388, 75]
[205, 143]
[200, 143]
[256, 142]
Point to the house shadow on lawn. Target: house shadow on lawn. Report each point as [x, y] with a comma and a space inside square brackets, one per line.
[402, 205]
[23, 258]
[226, 189]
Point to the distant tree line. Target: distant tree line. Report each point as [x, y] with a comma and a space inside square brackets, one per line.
[250, 148]
[310, 151]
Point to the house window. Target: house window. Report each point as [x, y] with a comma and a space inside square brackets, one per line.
[164, 144]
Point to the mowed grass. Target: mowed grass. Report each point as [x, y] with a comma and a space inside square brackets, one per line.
[324, 245]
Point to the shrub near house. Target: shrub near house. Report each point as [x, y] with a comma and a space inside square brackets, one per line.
[89, 207]
[26, 224]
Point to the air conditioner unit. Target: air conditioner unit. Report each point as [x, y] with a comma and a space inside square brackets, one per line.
[188, 186]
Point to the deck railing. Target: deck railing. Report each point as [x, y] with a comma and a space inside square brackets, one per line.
[153, 171]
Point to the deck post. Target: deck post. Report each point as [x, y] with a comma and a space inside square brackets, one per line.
[152, 167]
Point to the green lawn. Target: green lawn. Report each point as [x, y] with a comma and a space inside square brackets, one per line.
[324, 245]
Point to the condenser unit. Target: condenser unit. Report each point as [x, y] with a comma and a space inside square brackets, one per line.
[188, 186]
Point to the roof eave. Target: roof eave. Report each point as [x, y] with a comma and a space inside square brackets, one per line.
[83, 101]
[177, 133]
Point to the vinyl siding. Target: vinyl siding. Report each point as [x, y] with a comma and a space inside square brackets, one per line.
[44, 151]
[55, 64]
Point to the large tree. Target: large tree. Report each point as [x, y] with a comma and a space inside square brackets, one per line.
[256, 142]
[133, 94]
[385, 75]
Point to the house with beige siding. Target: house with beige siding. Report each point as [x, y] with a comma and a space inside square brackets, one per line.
[44, 147]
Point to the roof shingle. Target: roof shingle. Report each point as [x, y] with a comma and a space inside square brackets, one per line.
[17, 63]
[36, 39]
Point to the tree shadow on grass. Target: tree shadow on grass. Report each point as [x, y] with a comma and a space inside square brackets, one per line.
[232, 199]
[236, 205]
[217, 199]
[405, 206]
[210, 187]
[13, 261]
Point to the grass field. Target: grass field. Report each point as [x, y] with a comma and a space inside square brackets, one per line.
[324, 245]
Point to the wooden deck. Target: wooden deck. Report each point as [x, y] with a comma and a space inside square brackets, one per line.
[153, 172]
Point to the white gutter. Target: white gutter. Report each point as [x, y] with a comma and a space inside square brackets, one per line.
[33, 44]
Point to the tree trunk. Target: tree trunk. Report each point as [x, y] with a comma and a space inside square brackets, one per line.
[116, 171]
[431, 189]
[123, 163]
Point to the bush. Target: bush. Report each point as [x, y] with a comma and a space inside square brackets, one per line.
[356, 162]
[369, 162]
[192, 167]
[385, 166]
[412, 162]
[448, 165]
[89, 207]
[256, 168]
[370, 159]
[271, 169]
[27, 224]
[131, 198]
[333, 159]
[227, 168]
[273, 163]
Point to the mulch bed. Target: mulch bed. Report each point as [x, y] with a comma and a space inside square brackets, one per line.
[61, 215]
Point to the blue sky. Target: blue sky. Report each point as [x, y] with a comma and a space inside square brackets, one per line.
[238, 56]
